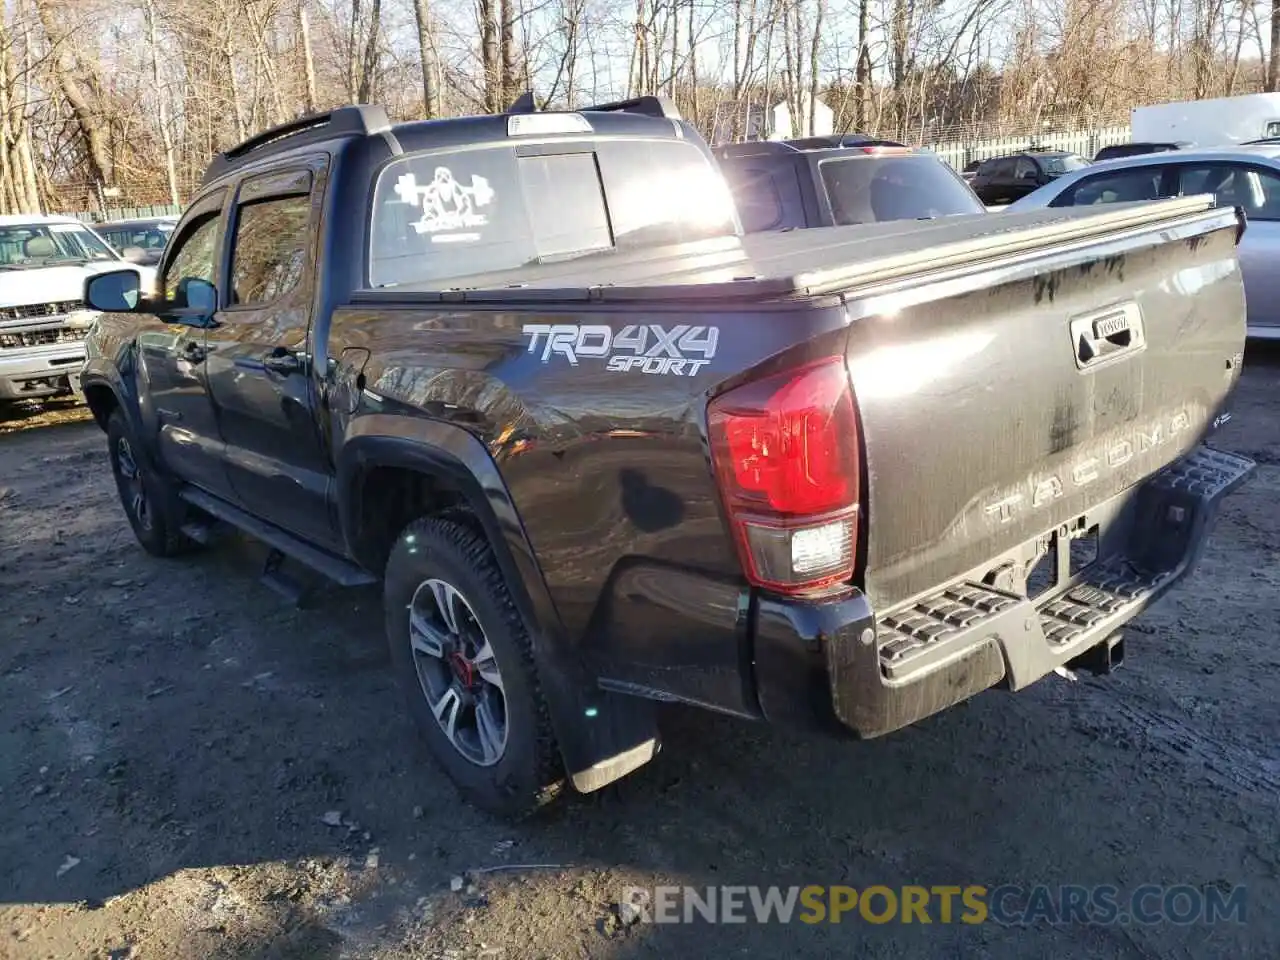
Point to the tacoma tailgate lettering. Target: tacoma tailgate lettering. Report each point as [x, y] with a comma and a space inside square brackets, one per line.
[1086, 470]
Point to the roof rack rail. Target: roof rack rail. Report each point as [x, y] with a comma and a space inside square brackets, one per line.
[652, 106]
[753, 148]
[356, 121]
[756, 148]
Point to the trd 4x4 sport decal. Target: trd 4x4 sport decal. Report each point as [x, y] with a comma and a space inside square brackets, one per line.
[648, 347]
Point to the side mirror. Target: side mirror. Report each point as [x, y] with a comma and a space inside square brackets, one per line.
[117, 291]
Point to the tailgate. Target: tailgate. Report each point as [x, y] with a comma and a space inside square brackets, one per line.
[1004, 393]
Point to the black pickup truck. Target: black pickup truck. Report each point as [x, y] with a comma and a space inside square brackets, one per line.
[839, 180]
[603, 450]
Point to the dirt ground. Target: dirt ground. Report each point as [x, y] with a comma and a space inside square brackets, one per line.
[191, 769]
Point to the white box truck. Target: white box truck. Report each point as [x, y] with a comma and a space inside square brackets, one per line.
[1208, 123]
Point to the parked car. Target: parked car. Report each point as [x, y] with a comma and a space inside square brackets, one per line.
[604, 450]
[1005, 179]
[1244, 176]
[44, 261]
[139, 241]
[839, 180]
[1118, 151]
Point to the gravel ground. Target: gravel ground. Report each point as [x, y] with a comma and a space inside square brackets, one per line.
[191, 769]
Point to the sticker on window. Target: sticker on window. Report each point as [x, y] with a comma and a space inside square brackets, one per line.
[447, 205]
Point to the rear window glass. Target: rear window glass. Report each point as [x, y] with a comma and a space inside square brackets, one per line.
[663, 191]
[452, 214]
[566, 206]
[1063, 164]
[875, 189]
[756, 197]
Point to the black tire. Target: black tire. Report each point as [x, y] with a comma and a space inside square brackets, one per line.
[156, 525]
[529, 774]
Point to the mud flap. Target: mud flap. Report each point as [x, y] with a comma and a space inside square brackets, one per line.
[603, 736]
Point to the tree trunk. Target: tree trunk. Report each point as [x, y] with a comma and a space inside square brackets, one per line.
[507, 46]
[489, 56]
[813, 66]
[73, 81]
[862, 76]
[430, 64]
[162, 103]
[353, 60]
[1273, 60]
[369, 67]
[308, 59]
[233, 83]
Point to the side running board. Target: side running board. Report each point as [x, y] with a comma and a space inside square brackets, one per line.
[335, 568]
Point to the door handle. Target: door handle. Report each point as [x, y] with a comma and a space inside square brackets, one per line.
[283, 362]
[1108, 334]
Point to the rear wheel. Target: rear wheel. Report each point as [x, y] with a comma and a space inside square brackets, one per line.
[148, 498]
[464, 660]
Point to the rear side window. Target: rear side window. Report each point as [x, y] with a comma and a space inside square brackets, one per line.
[270, 248]
[874, 189]
[1236, 185]
[444, 215]
[1121, 186]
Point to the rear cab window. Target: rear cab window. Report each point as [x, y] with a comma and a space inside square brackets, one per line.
[1059, 164]
[440, 215]
[874, 189]
[767, 196]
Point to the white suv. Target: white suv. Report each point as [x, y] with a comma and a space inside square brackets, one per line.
[43, 265]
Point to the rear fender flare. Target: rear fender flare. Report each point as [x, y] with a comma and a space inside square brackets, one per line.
[442, 450]
[622, 733]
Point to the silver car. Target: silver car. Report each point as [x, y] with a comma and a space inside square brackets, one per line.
[1244, 176]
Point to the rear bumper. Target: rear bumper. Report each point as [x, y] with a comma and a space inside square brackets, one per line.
[39, 371]
[878, 674]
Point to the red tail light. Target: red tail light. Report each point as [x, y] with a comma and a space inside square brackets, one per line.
[785, 453]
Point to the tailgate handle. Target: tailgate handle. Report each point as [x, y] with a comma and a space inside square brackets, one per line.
[1112, 333]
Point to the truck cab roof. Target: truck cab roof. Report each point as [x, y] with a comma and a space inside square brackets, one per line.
[643, 116]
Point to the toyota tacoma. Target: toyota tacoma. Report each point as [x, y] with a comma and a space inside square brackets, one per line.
[603, 449]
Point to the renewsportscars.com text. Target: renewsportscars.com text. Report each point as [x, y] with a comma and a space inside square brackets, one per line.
[972, 904]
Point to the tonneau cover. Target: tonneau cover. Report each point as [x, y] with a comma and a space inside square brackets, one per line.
[799, 262]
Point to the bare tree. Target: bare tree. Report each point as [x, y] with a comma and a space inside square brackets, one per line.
[308, 58]
[430, 61]
[76, 80]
